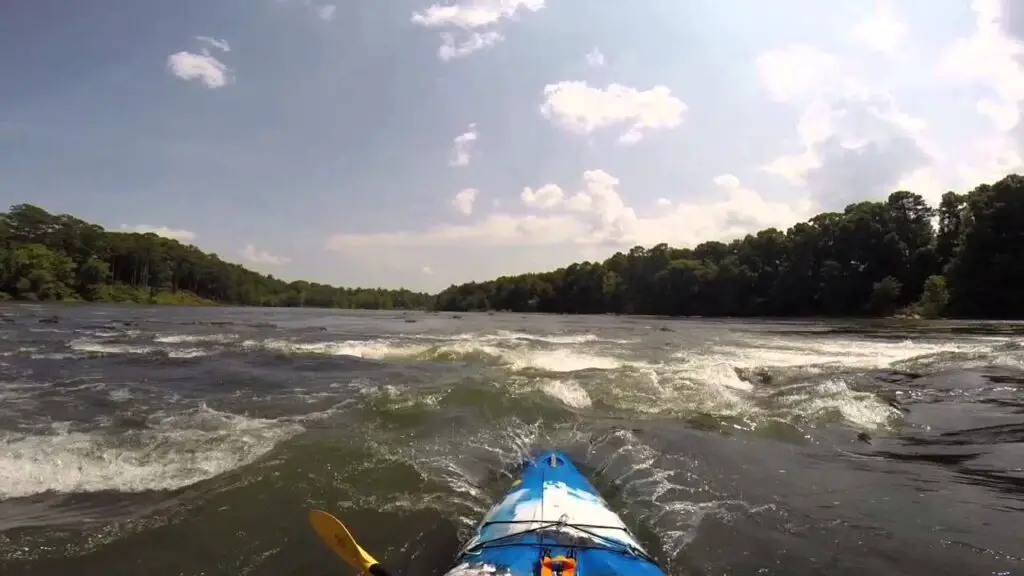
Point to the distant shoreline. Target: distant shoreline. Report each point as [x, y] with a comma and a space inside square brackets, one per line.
[190, 301]
[875, 259]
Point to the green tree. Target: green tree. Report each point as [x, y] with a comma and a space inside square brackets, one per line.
[57, 257]
[935, 297]
[872, 258]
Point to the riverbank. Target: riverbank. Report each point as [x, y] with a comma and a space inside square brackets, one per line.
[120, 294]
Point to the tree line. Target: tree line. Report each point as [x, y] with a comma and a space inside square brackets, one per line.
[963, 259]
[60, 257]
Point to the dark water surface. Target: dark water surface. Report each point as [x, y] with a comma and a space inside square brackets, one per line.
[170, 441]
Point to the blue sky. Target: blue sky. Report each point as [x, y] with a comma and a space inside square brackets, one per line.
[408, 143]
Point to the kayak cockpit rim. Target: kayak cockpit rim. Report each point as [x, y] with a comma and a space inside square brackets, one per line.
[556, 530]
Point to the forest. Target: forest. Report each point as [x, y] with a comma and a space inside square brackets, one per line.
[60, 257]
[964, 258]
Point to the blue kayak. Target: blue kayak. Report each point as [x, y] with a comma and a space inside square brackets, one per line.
[552, 522]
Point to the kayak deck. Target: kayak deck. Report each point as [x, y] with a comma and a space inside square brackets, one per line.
[553, 516]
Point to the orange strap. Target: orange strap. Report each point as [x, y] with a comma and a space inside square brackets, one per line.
[559, 565]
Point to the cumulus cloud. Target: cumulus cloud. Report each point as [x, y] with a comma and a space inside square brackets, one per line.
[595, 215]
[451, 49]
[855, 142]
[175, 234]
[462, 147]
[883, 30]
[547, 196]
[255, 256]
[469, 14]
[202, 67]
[595, 58]
[990, 58]
[473, 19]
[582, 109]
[463, 201]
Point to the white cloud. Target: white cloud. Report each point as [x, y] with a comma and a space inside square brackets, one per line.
[798, 71]
[988, 160]
[855, 142]
[594, 216]
[462, 147]
[883, 30]
[547, 196]
[326, 12]
[595, 58]
[450, 49]
[175, 234]
[202, 67]
[989, 58]
[474, 13]
[218, 44]
[463, 201]
[427, 270]
[255, 256]
[964, 165]
[582, 109]
[468, 16]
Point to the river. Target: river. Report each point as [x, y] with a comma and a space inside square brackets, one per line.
[193, 441]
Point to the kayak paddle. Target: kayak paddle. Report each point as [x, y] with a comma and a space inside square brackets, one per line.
[338, 538]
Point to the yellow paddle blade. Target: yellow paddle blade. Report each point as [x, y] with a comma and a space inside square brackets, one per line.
[337, 537]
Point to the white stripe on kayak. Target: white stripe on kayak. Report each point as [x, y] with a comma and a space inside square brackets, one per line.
[564, 503]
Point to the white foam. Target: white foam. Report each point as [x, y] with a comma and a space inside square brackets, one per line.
[512, 336]
[54, 356]
[122, 394]
[569, 392]
[518, 358]
[178, 451]
[582, 338]
[194, 338]
[20, 350]
[103, 333]
[653, 495]
[86, 345]
[189, 353]
[828, 353]
[467, 569]
[814, 401]
[561, 360]
[380, 348]
[674, 388]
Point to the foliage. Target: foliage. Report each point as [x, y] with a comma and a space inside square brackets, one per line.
[935, 297]
[46, 256]
[871, 258]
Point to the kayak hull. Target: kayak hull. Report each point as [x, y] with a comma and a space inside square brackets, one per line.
[553, 515]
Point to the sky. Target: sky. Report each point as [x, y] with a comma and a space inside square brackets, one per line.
[413, 144]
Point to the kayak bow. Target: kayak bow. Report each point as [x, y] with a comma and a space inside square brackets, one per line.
[553, 522]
